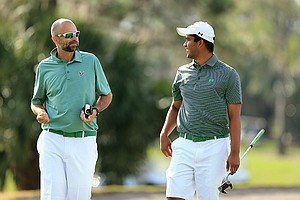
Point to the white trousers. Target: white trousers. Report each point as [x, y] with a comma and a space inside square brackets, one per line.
[67, 166]
[197, 167]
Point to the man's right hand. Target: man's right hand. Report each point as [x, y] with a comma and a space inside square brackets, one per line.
[165, 145]
[42, 117]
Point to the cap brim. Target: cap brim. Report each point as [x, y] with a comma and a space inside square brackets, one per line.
[183, 31]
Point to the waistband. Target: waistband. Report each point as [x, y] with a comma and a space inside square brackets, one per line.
[200, 138]
[76, 134]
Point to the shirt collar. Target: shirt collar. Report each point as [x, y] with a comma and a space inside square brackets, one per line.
[210, 62]
[76, 58]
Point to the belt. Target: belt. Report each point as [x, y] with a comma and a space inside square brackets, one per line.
[200, 138]
[76, 134]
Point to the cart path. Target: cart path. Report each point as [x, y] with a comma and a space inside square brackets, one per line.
[235, 194]
[239, 194]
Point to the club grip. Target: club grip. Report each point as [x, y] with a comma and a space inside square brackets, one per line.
[260, 133]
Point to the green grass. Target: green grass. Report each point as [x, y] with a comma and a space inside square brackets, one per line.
[268, 169]
[9, 185]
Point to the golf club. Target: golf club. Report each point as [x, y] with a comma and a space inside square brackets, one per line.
[226, 184]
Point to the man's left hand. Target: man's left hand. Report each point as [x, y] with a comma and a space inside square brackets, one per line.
[90, 118]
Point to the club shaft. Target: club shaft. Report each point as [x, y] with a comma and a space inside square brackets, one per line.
[260, 133]
[244, 154]
[253, 142]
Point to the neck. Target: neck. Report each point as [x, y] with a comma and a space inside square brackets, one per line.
[200, 60]
[64, 55]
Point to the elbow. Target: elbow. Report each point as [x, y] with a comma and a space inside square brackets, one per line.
[110, 95]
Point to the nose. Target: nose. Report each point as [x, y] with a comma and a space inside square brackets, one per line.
[74, 36]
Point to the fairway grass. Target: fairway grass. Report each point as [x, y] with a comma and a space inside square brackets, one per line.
[269, 169]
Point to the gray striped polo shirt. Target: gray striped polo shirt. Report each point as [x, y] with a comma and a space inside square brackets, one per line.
[205, 92]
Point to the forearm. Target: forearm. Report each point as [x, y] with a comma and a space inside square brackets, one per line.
[170, 123]
[103, 102]
[235, 134]
[171, 120]
[168, 127]
[37, 108]
[234, 113]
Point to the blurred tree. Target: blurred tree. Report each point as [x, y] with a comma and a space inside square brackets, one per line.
[130, 125]
[268, 29]
[23, 45]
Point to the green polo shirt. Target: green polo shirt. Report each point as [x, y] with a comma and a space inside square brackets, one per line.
[65, 87]
[205, 92]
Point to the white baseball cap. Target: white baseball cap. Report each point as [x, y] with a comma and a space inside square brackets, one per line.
[202, 29]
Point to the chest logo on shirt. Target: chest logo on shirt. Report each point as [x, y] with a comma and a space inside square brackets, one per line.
[81, 73]
[185, 81]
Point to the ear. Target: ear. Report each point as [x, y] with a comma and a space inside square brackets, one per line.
[201, 42]
[54, 39]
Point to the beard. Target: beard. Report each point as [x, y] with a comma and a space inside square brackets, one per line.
[71, 46]
[190, 54]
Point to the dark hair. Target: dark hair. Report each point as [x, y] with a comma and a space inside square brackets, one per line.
[209, 45]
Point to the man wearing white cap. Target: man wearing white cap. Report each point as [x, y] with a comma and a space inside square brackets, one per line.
[206, 110]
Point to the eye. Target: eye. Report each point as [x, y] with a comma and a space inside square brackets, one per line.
[69, 35]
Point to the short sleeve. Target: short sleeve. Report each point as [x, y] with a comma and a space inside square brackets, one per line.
[233, 91]
[39, 92]
[102, 85]
[176, 93]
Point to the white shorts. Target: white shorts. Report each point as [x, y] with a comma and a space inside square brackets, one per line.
[197, 167]
[67, 166]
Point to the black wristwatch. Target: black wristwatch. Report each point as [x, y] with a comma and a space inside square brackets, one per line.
[94, 108]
